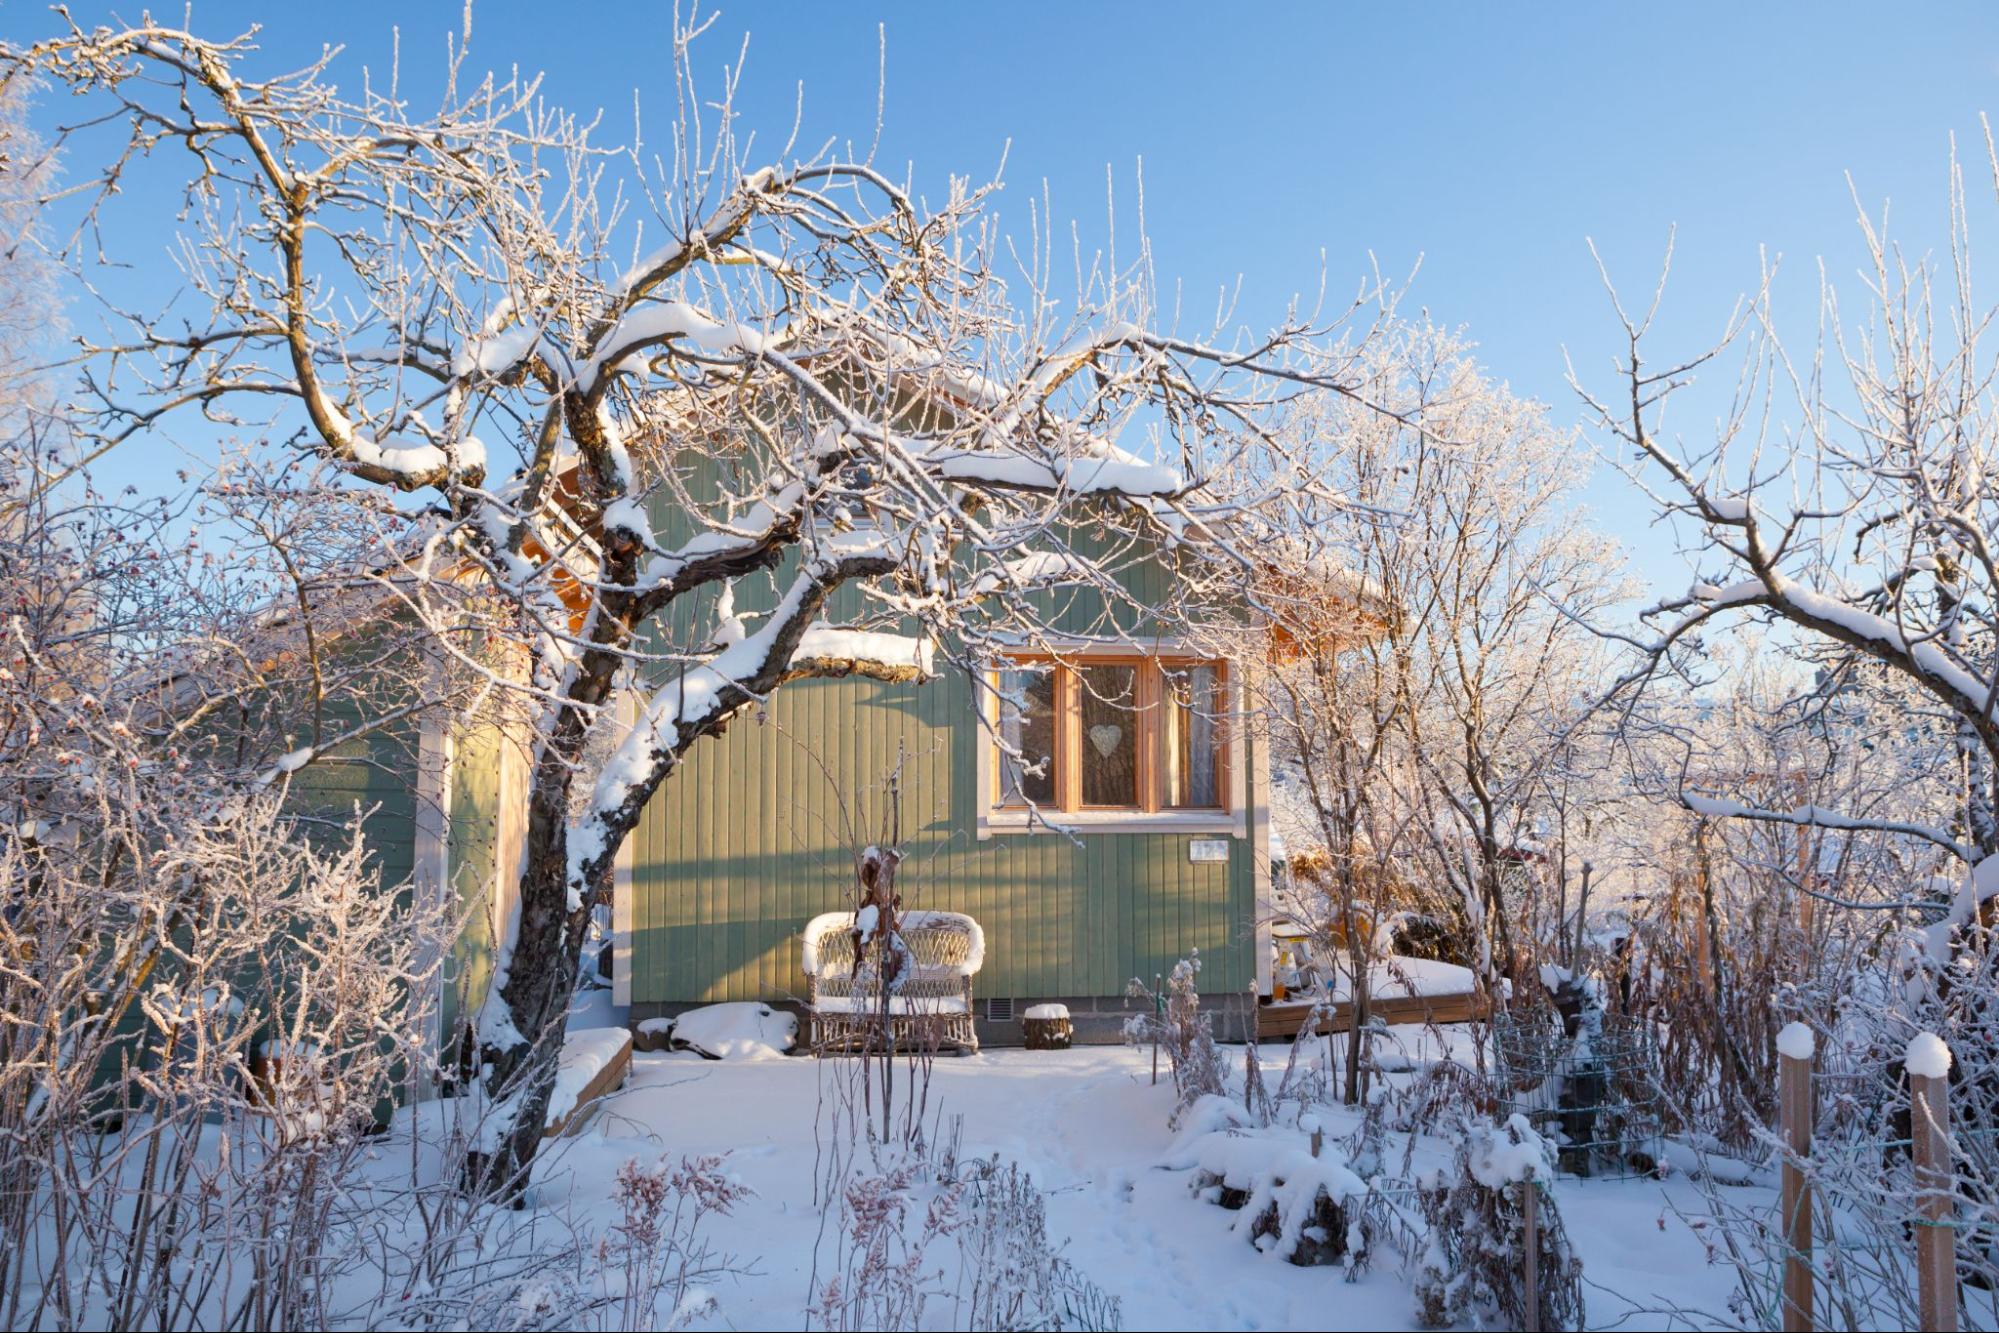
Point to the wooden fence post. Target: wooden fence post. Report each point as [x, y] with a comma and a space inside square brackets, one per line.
[1795, 1047]
[1530, 1224]
[1158, 1020]
[1928, 1063]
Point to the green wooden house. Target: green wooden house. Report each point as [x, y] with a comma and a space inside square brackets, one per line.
[1143, 837]
[445, 809]
[749, 841]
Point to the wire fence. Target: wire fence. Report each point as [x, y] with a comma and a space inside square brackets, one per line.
[1594, 1095]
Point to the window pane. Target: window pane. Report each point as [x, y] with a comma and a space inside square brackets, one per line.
[1110, 734]
[1027, 724]
[1193, 739]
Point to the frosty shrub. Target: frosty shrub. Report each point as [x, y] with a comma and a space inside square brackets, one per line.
[1187, 1034]
[1434, 1093]
[888, 1201]
[1011, 1277]
[203, 1018]
[882, 1274]
[1473, 1266]
[655, 1250]
[1290, 1204]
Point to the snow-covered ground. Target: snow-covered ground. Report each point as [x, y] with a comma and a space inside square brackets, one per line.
[1093, 1130]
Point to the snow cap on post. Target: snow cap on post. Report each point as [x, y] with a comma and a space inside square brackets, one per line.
[1928, 1057]
[1797, 1042]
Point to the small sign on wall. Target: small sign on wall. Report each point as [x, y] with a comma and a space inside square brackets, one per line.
[1207, 849]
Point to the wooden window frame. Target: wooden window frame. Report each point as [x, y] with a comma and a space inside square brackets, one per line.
[1161, 732]
[1151, 812]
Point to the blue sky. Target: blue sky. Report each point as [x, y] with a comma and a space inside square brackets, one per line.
[1489, 141]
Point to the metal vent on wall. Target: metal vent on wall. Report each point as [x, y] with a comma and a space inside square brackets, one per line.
[999, 1011]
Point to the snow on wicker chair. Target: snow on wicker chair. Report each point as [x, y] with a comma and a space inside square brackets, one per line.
[931, 1010]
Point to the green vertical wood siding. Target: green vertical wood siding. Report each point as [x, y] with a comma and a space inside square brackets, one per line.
[747, 843]
[375, 775]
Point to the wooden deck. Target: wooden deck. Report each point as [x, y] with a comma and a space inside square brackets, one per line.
[1283, 1018]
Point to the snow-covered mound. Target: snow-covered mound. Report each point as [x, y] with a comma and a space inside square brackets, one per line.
[1291, 1204]
[738, 1031]
[1507, 1154]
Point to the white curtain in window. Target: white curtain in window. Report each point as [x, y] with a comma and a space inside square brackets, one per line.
[1201, 739]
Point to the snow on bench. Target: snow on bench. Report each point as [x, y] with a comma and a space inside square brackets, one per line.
[932, 1006]
[1399, 989]
[1397, 977]
[594, 1061]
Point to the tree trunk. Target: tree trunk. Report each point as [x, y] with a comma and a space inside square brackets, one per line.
[519, 1078]
[521, 1021]
[520, 1038]
[1359, 958]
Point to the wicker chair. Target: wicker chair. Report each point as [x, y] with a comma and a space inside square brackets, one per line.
[932, 1009]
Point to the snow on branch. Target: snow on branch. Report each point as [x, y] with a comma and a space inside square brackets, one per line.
[826, 649]
[1813, 816]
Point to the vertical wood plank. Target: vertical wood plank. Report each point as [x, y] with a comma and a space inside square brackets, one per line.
[1936, 1257]
[1794, 1085]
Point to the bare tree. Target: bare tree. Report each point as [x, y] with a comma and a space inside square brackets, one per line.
[1333, 699]
[1504, 580]
[1433, 666]
[792, 375]
[1860, 521]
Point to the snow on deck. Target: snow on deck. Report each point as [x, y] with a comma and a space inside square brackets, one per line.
[1396, 976]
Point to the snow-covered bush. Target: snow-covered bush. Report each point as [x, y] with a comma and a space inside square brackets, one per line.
[1473, 1265]
[201, 1030]
[1293, 1205]
[1290, 1203]
[210, 996]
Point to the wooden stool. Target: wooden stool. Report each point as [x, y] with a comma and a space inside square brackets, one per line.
[1046, 1027]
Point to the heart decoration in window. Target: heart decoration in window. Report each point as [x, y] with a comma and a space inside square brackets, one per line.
[1106, 738]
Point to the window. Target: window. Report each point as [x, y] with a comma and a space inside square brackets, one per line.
[1027, 725]
[1109, 715]
[1103, 734]
[1194, 706]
